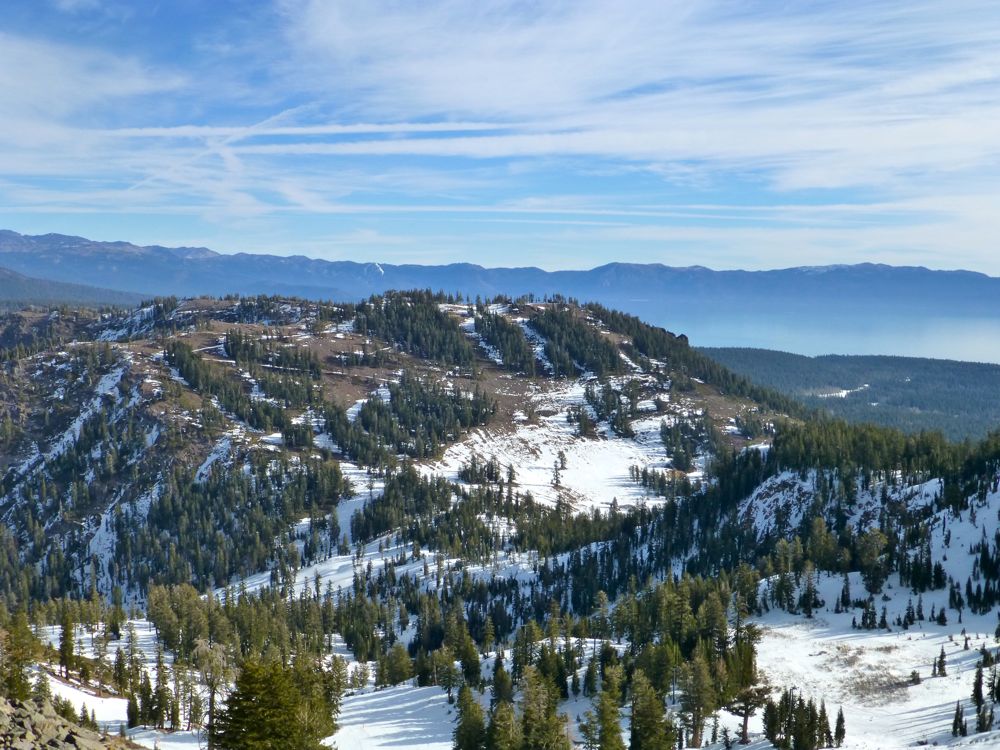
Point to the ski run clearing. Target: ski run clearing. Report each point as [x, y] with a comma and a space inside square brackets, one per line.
[597, 469]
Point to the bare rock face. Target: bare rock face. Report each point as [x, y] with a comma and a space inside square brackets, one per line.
[28, 725]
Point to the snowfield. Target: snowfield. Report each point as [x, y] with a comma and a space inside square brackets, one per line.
[597, 469]
[402, 718]
[868, 672]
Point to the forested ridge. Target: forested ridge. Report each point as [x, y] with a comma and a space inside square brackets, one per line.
[909, 393]
[244, 433]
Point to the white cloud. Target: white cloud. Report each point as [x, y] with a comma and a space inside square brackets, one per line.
[47, 81]
[76, 6]
[821, 96]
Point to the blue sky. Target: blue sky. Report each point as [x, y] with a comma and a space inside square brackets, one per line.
[558, 134]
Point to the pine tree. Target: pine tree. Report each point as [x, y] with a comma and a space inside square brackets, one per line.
[809, 599]
[489, 635]
[698, 699]
[590, 730]
[870, 546]
[840, 732]
[445, 673]
[67, 649]
[257, 712]
[18, 649]
[824, 736]
[196, 713]
[161, 693]
[983, 719]
[398, 665]
[748, 690]
[503, 685]
[504, 732]
[608, 714]
[320, 692]
[650, 729]
[590, 679]
[132, 712]
[100, 643]
[470, 731]
[41, 691]
[145, 700]
[542, 727]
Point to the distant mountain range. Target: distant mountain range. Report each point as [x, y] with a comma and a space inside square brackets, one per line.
[17, 290]
[858, 309]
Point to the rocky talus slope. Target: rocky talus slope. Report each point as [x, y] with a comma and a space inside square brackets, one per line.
[27, 725]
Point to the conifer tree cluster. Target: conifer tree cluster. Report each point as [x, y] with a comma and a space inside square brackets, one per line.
[508, 339]
[414, 322]
[571, 345]
[793, 723]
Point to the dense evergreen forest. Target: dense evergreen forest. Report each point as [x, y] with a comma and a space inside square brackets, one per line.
[416, 324]
[911, 394]
[508, 338]
[572, 346]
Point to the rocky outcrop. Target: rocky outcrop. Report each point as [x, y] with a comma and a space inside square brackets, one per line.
[28, 725]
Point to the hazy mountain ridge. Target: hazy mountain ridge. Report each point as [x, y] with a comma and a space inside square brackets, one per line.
[18, 290]
[192, 271]
[910, 393]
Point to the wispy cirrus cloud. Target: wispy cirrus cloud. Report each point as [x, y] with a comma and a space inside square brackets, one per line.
[754, 132]
[52, 80]
[821, 95]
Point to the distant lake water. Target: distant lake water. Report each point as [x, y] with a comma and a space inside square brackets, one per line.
[969, 339]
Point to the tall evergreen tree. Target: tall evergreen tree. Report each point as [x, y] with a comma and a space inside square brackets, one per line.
[504, 732]
[263, 713]
[470, 731]
[840, 732]
[608, 713]
[542, 727]
[67, 648]
[698, 699]
[650, 729]
[503, 685]
[957, 720]
[18, 649]
[748, 690]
